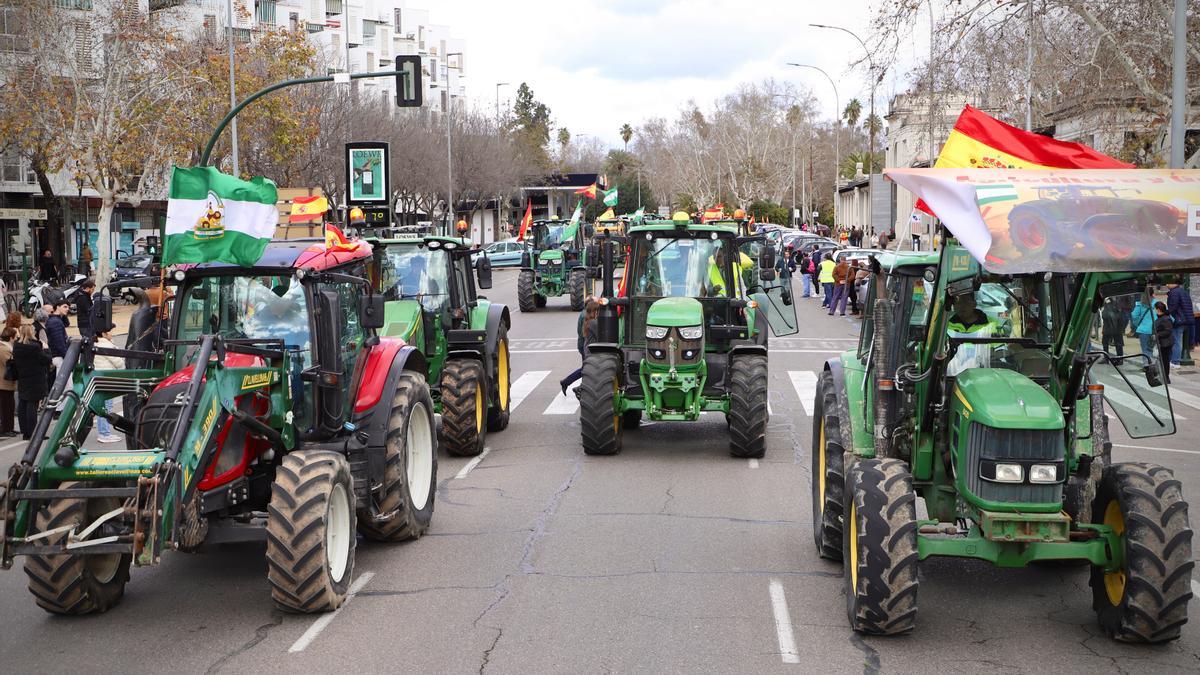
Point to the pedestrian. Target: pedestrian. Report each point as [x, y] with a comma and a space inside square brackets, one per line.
[104, 430]
[40, 316]
[825, 276]
[874, 240]
[586, 330]
[83, 307]
[1164, 332]
[8, 385]
[883, 240]
[840, 272]
[1112, 327]
[14, 320]
[806, 273]
[31, 365]
[861, 277]
[56, 331]
[786, 265]
[1141, 321]
[1182, 313]
[47, 270]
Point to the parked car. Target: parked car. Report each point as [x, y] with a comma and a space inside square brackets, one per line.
[505, 253]
[129, 268]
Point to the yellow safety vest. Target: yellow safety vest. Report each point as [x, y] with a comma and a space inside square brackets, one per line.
[826, 275]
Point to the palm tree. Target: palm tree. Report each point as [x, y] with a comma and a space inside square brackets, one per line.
[626, 134]
[874, 126]
[564, 138]
[852, 112]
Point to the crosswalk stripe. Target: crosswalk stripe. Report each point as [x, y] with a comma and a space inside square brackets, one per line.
[523, 386]
[1130, 401]
[564, 405]
[805, 382]
[1185, 398]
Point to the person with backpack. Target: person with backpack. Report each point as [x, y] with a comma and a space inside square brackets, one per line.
[806, 267]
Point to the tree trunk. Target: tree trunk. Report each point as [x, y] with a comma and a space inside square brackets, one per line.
[108, 202]
[56, 225]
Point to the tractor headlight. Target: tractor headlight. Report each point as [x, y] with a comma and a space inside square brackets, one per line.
[1043, 473]
[656, 332]
[692, 332]
[1009, 473]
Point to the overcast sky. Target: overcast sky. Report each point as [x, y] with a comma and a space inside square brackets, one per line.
[598, 64]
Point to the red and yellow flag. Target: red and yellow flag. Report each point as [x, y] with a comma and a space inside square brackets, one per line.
[526, 221]
[590, 191]
[308, 209]
[715, 213]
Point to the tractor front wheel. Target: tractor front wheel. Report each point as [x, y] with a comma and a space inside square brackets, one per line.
[310, 532]
[880, 548]
[600, 425]
[748, 406]
[79, 583]
[577, 283]
[828, 471]
[464, 407]
[498, 411]
[410, 477]
[525, 295]
[1146, 599]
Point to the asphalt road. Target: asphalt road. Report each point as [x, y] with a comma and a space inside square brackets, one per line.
[670, 557]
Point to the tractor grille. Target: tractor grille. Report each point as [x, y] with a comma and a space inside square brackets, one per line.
[1018, 445]
[551, 267]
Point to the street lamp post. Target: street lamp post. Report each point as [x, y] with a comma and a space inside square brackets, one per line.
[874, 81]
[498, 85]
[449, 153]
[837, 134]
[232, 90]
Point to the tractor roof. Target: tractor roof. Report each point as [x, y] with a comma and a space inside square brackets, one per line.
[308, 254]
[889, 259]
[719, 226]
[460, 242]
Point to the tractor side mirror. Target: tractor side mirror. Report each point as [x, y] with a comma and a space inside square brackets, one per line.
[766, 260]
[483, 270]
[767, 274]
[101, 315]
[371, 311]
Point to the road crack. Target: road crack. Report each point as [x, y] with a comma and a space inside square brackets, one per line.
[487, 653]
[260, 634]
[870, 656]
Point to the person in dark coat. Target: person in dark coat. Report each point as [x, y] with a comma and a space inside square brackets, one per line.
[1164, 332]
[56, 329]
[31, 363]
[83, 305]
[1183, 314]
[47, 270]
[1112, 327]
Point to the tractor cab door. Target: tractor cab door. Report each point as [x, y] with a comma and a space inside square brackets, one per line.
[347, 357]
[462, 289]
[768, 281]
[1131, 368]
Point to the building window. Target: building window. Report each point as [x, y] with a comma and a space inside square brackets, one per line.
[210, 26]
[83, 5]
[83, 46]
[264, 11]
[396, 24]
[13, 36]
[433, 70]
[294, 21]
[13, 169]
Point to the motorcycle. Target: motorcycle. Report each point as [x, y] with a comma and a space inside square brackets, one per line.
[42, 293]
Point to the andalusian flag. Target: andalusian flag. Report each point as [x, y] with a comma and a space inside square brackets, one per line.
[214, 217]
[590, 191]
[640, 212]
[980, 141]
[610, 197]
[573, 226]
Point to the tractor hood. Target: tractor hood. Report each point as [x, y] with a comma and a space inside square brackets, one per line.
[1005, 399]
[402, 319]
[672, 312]
[232, 360]
[553, 255]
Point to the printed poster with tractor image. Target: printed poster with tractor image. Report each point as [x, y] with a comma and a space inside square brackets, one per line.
[1065, 220]
[367, 173]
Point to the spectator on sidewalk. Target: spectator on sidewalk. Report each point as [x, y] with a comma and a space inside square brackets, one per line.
[83, 305]
[32, 364]
[47, 270]
[1141, 320]
[1182, 313]
[8, 387]
[807, 268]
[825, 276]
[56, 331]
[1112, 327]
[1164, 332]
[104, 430]
[840, 272]
[14, 320]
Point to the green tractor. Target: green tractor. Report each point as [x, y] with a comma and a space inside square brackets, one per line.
[265, 408]
[557, 265]
[982, 392]
[686, 335]
[433, 305]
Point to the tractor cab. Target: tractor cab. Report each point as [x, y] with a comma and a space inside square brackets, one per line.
[558, 264]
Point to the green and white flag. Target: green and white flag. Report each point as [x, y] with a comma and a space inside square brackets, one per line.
[610, 197]
[573, 226]
[640, 212]
[215, 217]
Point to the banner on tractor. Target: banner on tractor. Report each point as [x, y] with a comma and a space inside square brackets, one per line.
[1066, 220]
[214, 217]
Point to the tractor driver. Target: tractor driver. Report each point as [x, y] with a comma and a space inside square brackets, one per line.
[968, 321]
[716, 286]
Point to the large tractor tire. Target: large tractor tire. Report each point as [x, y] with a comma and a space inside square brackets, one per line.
[748, 406]
[600, 426]
[828, 471]
[577, 284]
[464, 407]
[525, 296]
[410, 477]
[76, 584]
[310, 532]
[1146, 600]
[1030, 233]
[499, 409]
[880, 547]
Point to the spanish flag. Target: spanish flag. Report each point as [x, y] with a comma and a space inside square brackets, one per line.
[590, 191]
[980, 141]
[308, 209]
[526, 221]
[715, 213]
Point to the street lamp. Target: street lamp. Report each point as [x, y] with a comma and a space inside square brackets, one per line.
[498, 85]
[874, 81]
[837, 134]
[449, 154]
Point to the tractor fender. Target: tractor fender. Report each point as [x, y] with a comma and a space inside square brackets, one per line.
[747, 348]
[382, 370]
[834, 368]
[496, 314]
[607, 348]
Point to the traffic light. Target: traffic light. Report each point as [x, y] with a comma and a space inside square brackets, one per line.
[409, 90]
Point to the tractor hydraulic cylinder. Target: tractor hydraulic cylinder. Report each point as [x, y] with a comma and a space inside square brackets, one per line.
[193, 393]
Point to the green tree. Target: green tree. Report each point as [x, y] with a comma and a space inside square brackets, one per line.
[850, 163]
[626, 134]
[564, 139]
[768, 212]
[531, 125]
[853, 112]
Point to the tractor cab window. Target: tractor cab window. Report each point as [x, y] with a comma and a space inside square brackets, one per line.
[686, 267]
[548, 236]
[1016, 314]
[417, 272]
[463, 280]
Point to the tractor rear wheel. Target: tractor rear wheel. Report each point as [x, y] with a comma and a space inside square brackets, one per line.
[498, 411]
[880, 547]
[310, 531]
[748, 406]
[1146, 600]
[828, 471]
[577, 283]
[600, 426]
[410, 476]
[464, 407]
[76, 584]
[525, 294]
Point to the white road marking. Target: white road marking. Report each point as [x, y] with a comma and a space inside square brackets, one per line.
[472, 464]
[1195, 587]
[805, 351]
[1130, 401]
[523, 385]
[323, 622]
[543, 351]
[1184, 398]
[564, 404]
[770, 410]
[1146, 447]
[542, 339]
[783, 624]
[753, 463]
[805, 382]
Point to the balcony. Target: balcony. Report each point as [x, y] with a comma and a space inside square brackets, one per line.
[84, 5]
[333, 6]
[314, 27]
[241, 34]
